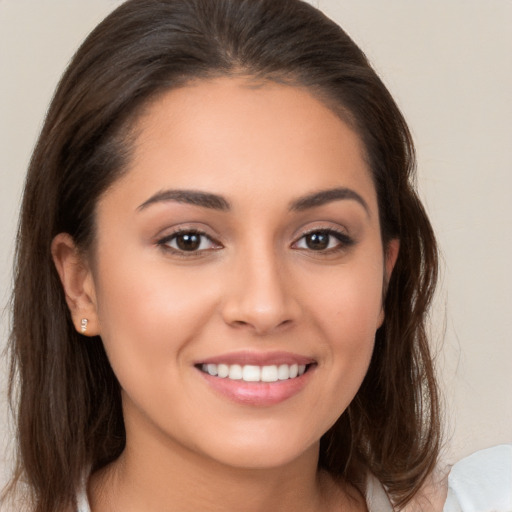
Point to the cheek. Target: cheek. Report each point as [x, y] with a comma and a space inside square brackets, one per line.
[348, 314]
[349, 299]
[147, 317]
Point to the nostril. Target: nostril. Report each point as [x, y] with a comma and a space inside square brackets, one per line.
[262, 328]
[240, 323]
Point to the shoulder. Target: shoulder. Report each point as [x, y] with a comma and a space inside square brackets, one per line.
[481, 482]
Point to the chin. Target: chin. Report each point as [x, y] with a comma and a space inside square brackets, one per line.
[263, 451]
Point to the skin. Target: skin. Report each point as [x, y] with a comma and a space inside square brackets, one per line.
[255, 285]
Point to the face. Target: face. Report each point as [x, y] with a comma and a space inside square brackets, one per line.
[238, 272]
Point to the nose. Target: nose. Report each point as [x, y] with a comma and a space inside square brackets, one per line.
[260, 293]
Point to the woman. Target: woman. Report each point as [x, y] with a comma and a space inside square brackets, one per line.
[223, 273]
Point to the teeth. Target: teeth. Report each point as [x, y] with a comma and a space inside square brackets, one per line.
[269, 374]
[283, 372]
[235, 372]
[223, 370]
[252, 373]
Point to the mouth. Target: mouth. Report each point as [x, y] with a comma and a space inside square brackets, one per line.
[257, 379]
[255, 373]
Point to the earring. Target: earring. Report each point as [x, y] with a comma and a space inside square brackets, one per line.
[83, 325]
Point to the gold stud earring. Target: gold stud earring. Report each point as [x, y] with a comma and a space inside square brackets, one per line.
[83, 325]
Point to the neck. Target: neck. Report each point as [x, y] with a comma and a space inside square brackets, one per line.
[176, 481]
[168, 480]
[157, 474]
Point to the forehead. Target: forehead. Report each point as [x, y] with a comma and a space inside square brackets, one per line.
[241, 138]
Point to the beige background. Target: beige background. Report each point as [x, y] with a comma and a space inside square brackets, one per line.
[448, 64]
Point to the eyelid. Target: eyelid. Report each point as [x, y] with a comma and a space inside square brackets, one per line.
[344, 239]
[163, 242]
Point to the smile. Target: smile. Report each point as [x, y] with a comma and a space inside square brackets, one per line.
[257, 379]
[254, 373]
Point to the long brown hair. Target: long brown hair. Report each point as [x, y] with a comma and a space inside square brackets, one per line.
[66, 397]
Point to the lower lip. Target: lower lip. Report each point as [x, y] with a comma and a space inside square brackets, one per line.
[258, 393]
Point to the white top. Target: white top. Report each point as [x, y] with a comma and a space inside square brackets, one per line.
[481, 482]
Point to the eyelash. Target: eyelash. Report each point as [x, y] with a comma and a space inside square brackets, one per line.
[344, 242]
[164, 243]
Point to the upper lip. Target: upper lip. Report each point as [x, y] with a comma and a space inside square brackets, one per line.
[257, 358]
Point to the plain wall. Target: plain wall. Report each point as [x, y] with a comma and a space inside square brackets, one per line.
[448, 65]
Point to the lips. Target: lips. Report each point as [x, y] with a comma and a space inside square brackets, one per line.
[257, 378]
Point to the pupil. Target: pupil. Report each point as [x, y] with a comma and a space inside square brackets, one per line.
[317, 241]
[188, 241]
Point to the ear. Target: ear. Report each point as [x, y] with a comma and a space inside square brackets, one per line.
[390, 256]
[77, 281]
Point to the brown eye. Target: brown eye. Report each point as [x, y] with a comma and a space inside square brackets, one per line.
[317, 241]
[188, 241]
[324, 240]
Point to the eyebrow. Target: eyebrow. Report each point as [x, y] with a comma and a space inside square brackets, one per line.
[195, 197]
[327, 196]
[216, 202]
